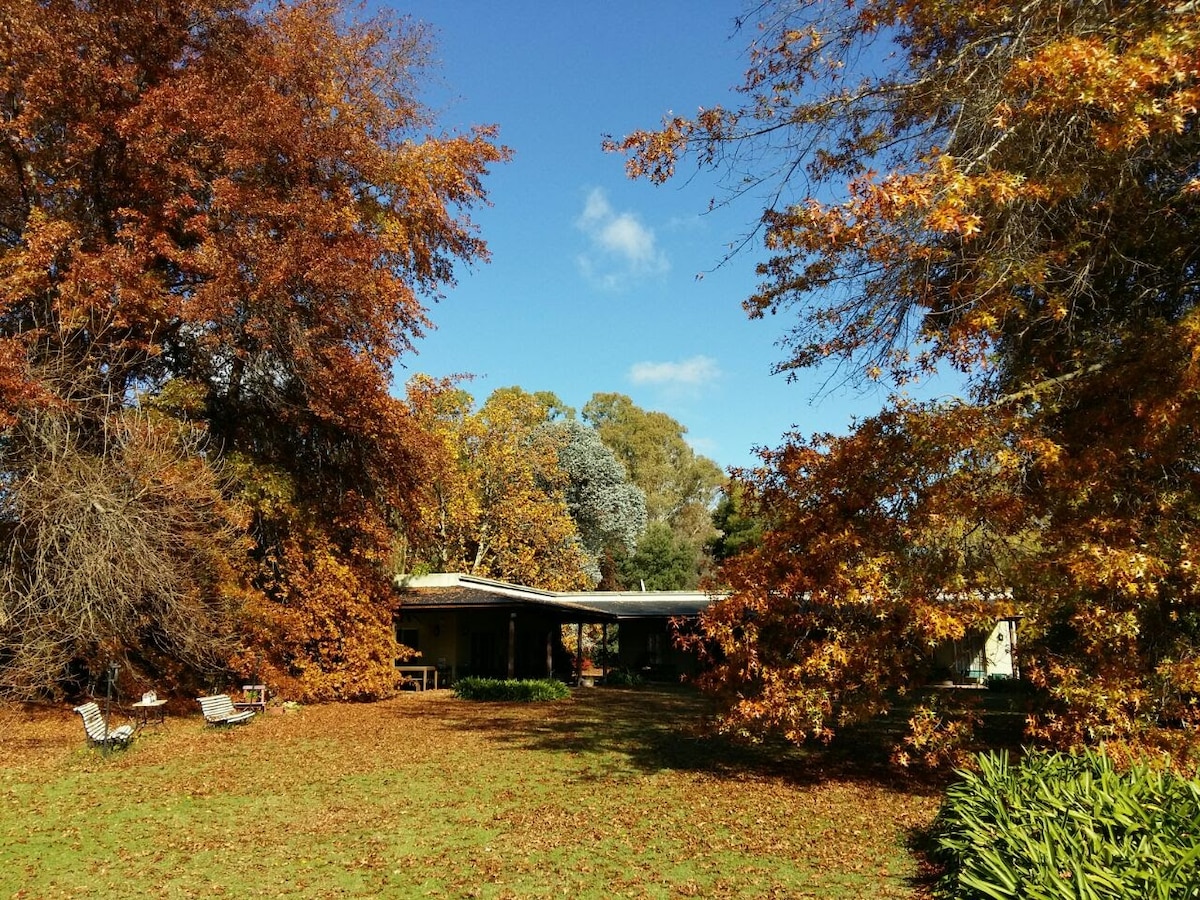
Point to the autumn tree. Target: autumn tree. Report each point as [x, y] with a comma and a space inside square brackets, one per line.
[542, 406]
[1010, 190]
[235, 213]
[496, 501]
[125, 552]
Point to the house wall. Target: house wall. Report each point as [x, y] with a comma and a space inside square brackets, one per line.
[476, 642]
[998, 656]
[979, 655]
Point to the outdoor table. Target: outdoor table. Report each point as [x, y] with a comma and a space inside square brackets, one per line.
[147, 708]
[423, 671]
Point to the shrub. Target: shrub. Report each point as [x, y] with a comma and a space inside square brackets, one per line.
[522, 691]
[623, 678]
[1005, 684]
[1068, 826]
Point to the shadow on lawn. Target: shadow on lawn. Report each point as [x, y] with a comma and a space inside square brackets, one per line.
[662, 727]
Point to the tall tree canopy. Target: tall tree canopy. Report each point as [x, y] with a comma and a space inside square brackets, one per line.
[1010, 189]
[679, 485]
[232, 213]
[495, 503]
[608, 509]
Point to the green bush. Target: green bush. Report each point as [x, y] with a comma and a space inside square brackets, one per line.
[523, 691]
[1006, 685]
[1068, 826]
[623, 678]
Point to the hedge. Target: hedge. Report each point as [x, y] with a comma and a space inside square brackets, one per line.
[523, 691]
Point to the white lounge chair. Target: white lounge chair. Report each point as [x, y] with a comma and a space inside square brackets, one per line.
[97, 729]
[219, 710]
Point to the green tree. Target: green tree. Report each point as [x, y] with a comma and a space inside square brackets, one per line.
[738, 528]
[679, 485]
[662, 561]
[609, 511]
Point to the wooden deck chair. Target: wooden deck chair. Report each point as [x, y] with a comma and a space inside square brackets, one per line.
[98, 732]
[219, 710]
[254, 696]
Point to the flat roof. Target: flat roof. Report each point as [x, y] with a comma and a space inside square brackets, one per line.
[459, 591]
[650, 604]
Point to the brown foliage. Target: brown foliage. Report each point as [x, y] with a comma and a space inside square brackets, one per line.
[233, 212]
[325, 633]
[118, 552]
[1011, 190]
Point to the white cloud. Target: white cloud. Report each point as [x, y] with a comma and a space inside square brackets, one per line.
[692, 373]
[620, 246]
[704, 446]
[596, 210]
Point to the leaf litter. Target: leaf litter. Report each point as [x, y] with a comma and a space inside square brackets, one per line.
[609, 793]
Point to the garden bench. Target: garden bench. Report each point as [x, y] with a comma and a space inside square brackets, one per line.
[219, 710]
[97, 729]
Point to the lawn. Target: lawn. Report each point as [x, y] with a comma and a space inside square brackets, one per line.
[606, 794]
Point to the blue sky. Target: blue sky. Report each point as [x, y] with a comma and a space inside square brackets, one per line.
[599, 283]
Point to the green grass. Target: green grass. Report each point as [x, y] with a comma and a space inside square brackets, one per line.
[606, 794]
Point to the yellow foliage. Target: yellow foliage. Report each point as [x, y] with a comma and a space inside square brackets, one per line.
[495, 504]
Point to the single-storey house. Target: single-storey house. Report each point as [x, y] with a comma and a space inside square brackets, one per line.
[466, 625]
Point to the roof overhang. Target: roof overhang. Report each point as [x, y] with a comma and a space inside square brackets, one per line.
[445, 591]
